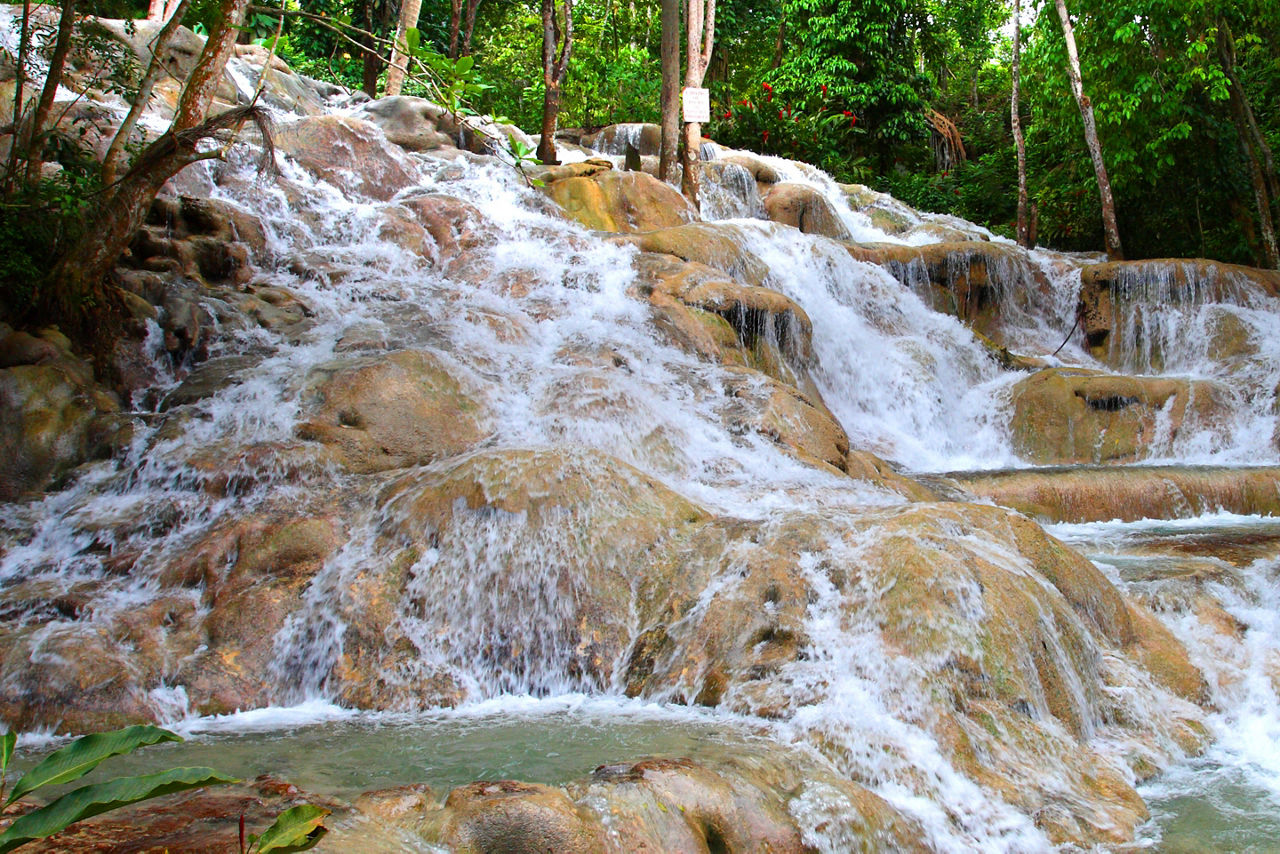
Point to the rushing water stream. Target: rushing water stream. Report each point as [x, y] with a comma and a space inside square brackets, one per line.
[542, 325]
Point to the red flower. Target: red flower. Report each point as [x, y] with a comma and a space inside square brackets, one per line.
[728, 114]
[770, 96]
[782, 114]
[744, 102]
[765, 136]
[847, 113]
[824, 88]
[853, 121]
[767, 87]
[788, 109]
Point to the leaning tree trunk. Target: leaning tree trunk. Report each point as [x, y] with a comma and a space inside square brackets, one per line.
[77, 276]
[409, 12]
[1019, 141]
[557, 47]
[700, 31]
[469, 28]
[670, 87]
[35, 136]
[455, 26]
[1110, 230]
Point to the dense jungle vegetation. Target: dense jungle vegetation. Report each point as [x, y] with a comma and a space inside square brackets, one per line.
[913, 97]
[908, 97]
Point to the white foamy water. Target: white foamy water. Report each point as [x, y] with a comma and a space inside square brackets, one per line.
[541, 320]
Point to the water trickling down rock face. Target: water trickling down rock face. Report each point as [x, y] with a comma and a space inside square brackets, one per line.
[404, 434]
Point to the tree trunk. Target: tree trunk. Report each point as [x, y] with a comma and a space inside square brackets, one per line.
[455, 24]
[1253, 147]
[469, 28]
[557, 48]
[670, 87]
[1019, 141]
[155, 10]
[781, 41]
[79, 272]
[1111, 231]
[111, 161]
[409, 12]
[35, 135]
[700, 29]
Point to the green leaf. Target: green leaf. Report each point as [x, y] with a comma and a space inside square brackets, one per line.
[296, 829]
[84, 754]
[88, 801]
[412, 39]
[7, 743]
[463, 66]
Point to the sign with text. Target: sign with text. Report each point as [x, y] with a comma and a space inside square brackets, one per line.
[697, 105]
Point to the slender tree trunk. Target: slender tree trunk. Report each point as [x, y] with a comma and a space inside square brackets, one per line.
[455, 25]
[111, 161]
[409, 12]
[473, 6]
[35, 135]
[780, 42]
[155, 10]
[1253, 147]
[1019, 141]
[670, 87]
[557, 48]
[1110, 230]
[700, 29]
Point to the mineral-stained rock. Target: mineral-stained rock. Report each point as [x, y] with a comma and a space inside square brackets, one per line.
[415, 124]
[347, 152]
[621, 202]
[51, 416]
[506, 815]
[392, 410]
[647, 138]
[723, 246]
[803, 207]
[1066, 415]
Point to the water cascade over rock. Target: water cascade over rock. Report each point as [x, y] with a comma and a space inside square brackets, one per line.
[400, 431]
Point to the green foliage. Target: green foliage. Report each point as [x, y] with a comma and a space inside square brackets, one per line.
[458, 81]
[298, 828]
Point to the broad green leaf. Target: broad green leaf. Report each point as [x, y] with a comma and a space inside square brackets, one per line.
[84, 754]
[88, 801]
[412, 39]
[294, 830]
[463, 66]
[7, 743]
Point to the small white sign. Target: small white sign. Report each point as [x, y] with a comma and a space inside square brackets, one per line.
[697, 105]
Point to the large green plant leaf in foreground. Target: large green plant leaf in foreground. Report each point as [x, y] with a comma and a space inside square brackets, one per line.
[88, 801]
[84, 754]
[296, 829]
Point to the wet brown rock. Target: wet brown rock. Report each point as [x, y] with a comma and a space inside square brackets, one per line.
[392, 410]
[968, 280]
[1096, 494]
[722, 246]
[415, 124]
[1118, 285]
[786, 416]
[621, 202]
[647, 138]
[764, 174]
[803, 207]
[508, 816]
[51, 419]
[347, 152]
[454, 226]
[1065, 415]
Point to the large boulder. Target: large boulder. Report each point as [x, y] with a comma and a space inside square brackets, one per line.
[1114, 290]
[622, 202]
[392, 410]
[1067, 415]
[614, 139]
[976, 282]
[803, 207]
[557, 553]
[724, 246]
[53, 416]
[347, 152]
[415, 124]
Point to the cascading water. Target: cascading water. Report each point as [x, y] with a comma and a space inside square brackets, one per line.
[541, 326]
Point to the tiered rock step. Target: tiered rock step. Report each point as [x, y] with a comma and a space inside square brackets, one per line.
[1128, 493]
